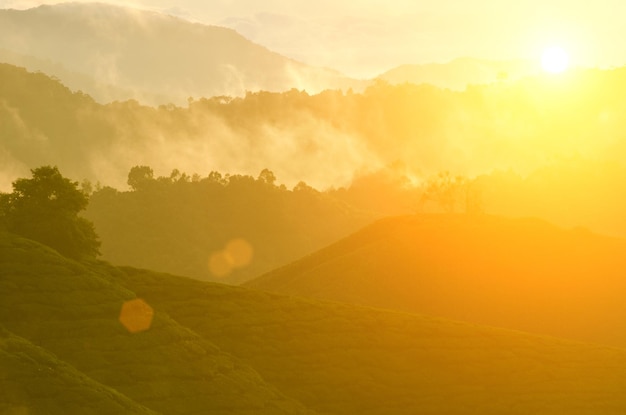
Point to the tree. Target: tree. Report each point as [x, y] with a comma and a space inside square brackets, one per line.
[139, 177]
[267, 176]
[45, 208]
[451, 191]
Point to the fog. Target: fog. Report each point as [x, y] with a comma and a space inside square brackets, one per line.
[365, 39]
[115, 53]
[323, 139]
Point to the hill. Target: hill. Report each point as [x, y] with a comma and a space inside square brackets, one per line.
[334, 358]
[185, 226]
[78, 314]
[460, 73]
[158, 58]
[523, 274]
[78, 81]
[342, 359]
[32, 380]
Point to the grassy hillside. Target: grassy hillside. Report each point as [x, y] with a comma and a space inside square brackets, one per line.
[61, 320]
[341, 359]
[523, 274]
[75, 312]
[34, 381]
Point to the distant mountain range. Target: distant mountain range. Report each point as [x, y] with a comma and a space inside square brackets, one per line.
[118, 53]
[522, 274]
[459, 73]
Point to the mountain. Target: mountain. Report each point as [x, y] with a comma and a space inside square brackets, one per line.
[212, 348]
[119, 53]
[459, 73]
[78, 81]
[43, 122]
[523, 274]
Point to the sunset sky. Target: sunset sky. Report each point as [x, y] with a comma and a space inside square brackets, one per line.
[368, 37]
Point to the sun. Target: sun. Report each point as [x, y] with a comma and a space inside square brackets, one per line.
[554, 59]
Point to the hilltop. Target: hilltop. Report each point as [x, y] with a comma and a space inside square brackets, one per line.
[524, 274]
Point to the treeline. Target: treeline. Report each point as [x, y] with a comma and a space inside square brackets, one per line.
[185, 224]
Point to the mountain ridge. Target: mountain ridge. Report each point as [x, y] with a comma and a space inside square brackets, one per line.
[151, 53]
[459, 73]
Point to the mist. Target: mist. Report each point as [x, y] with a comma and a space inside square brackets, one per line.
[323, 139]
[406, 201]
[381, 36]
[118, 53]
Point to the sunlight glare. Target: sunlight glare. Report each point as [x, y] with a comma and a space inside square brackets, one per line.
[554, 60]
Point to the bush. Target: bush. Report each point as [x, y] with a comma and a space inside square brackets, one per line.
[45, 208]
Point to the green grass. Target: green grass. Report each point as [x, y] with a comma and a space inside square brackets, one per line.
[221, 349]
[72, 311]
[34, 381]
[342, 359]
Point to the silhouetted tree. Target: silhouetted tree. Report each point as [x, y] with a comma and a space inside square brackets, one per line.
[267, 176]
[45, 208]
[139, 176]
[303, 187]
[445, 190]
[451, 191]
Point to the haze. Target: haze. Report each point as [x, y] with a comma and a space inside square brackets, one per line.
[366, 38]
[312, 208]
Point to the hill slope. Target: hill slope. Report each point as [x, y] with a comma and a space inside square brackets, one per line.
[32, 380]
[181, 227]
[75, 312]
[342, 359]
[522, 274]
[158, 57]
[335, 358]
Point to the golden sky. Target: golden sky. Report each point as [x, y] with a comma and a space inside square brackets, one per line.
[367, 37]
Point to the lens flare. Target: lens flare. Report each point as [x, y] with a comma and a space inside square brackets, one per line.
[238, 253]
[220, 264]
[136, 315]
